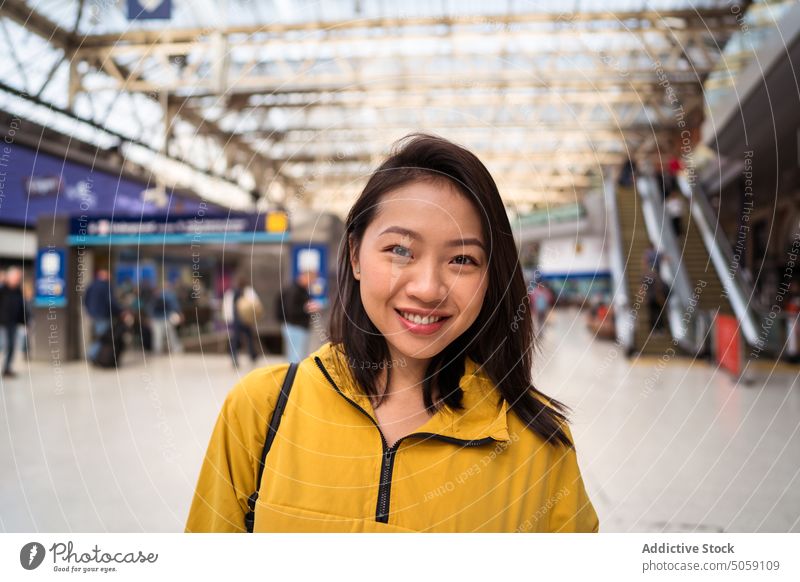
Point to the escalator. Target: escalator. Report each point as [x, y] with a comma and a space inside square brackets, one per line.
[694, 289]
[709, 256]
[696, 269]
[632, 318]
[706, 285]
[699, 286]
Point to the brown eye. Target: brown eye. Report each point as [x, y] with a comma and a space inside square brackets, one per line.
[466, 258]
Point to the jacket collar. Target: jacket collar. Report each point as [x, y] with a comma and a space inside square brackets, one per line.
[484, 414]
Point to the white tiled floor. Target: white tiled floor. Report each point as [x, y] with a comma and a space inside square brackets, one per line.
[672, 446]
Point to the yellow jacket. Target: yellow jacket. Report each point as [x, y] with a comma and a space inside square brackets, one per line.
[473, 470]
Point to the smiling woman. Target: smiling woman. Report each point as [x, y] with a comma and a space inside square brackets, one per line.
[420, 413]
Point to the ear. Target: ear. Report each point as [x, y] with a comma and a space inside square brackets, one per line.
[354, 264]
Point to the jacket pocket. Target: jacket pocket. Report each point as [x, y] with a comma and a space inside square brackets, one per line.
[282, 519]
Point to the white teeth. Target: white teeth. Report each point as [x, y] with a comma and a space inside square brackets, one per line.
[418, 319]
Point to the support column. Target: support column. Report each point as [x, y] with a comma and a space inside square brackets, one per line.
[56, 333]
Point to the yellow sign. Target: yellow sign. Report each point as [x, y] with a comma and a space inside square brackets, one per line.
[277, 221]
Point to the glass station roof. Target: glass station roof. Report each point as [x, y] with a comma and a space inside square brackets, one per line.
[292, 102]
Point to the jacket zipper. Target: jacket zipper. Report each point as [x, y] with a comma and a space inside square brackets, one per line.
[388, 453]
[385, 485]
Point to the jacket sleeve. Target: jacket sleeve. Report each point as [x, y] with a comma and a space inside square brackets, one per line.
[228, 473]
[571, 510]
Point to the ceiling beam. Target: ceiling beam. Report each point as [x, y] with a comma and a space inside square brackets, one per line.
[687, 19]
[58, 37]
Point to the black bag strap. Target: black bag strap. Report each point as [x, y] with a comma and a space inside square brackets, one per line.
[272, 429]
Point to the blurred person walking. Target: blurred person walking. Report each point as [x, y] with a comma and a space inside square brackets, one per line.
[674, 170]
[676, 207]
[2, 288]
[27, 296]
[628, 173]
[293, 308]
[241, 309]
[167, 316]
[12, 315]
[541, 298]
[793, 323]
[102, 307]
[143, 313]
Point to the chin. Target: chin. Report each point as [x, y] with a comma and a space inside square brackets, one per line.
[423, 349]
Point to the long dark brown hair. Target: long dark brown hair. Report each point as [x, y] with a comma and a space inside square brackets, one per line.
[500, 340]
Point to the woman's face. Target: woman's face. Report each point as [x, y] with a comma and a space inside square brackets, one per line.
[422, 268]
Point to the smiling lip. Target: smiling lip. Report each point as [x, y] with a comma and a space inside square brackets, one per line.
[421, 328]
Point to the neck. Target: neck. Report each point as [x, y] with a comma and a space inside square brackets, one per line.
[406, 378]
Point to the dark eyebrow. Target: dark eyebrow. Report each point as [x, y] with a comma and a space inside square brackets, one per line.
[415, 235]
[400, 230]
[466, 242]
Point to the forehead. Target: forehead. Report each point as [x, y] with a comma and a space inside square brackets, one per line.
[432, 208]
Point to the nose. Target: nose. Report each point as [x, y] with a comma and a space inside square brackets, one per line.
[426, 284]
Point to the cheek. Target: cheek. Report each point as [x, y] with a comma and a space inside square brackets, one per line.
[471, 294]
[375, 277]
[372, 261]
[376, 289]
